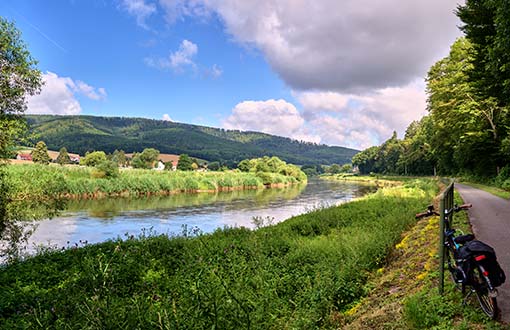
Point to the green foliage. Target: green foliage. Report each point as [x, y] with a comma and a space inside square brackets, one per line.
[185, 163]
[266, 168]
[63, 157]
[93, 158]
[146, 159]
[106, 169]
[40, 154]
[29, 181]
[81, 134]
[294, 275]
[486, 26]
[214, 166]
[119, 156]
[19, 78]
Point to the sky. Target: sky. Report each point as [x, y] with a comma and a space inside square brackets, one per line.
[336, 72]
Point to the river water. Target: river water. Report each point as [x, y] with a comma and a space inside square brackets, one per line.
[94, 221]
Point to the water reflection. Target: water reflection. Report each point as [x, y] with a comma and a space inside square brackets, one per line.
[99, 220]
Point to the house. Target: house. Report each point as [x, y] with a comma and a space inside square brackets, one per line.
[160, 166]
[24, 157]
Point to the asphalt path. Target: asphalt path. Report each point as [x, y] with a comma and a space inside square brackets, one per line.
[490, 220]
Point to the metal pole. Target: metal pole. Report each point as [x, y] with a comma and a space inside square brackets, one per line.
[441, 244]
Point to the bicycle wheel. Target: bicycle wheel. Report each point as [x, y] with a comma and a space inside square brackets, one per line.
[488, 302]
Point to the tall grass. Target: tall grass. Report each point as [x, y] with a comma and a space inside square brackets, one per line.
[293, 275]
[39, 181]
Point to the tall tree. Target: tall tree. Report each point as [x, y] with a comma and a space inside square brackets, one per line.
[63, 157]
[487, 26]
[40, 153]
[19, 78]
[467, 124]
[185, 163]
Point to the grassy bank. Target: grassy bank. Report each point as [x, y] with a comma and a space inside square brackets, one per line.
[379, 180]
[491, 189]
[404, 294]
[32, 181]
[302, 273]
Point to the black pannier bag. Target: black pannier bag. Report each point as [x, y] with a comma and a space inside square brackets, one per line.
[476, 252]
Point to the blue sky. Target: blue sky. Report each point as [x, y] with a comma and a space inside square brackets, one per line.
[336, 72]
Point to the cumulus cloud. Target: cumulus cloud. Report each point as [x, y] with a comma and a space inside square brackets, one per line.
[351, 120]
[58, 96]
[360, 121]
[140, 10]
[178, 60]
[166, 117]
[347, 46]
[277, 117]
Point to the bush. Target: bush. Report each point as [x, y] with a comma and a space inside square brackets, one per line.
[106, 169]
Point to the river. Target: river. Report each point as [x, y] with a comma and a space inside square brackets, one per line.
[94, 221]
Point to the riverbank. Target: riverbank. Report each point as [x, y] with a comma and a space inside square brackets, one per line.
[404, 293]
[33, 182]
[302, 273]
[380, 181]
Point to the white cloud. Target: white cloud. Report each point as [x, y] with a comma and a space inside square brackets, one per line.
[347, 46]
[58, 96]
[178, 60]
[350, 120]
[140, 10]
[214, 72]
[276, 117]
[166, 117]
[184, 55]
[360, 121]
[89, 91]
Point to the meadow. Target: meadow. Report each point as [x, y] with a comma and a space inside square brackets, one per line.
[32, 182]
[299, 274]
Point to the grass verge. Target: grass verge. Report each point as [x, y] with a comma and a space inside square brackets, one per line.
[404, 294]
[303, 273]
[490, 189]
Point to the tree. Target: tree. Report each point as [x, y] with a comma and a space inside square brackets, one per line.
[149, 156]
[486, 26]
[63, 157]
[93, 158]
[334, 169]
[214, 166]
[19, 78]
[185, 163]
[119, 156]
[468, 126]
[40, 154]
[145, 159]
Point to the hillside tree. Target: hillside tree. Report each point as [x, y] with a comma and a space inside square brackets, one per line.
[40, 154]
[185, 163]
[63, 157]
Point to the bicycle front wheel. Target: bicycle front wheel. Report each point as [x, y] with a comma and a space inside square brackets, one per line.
[488, 302]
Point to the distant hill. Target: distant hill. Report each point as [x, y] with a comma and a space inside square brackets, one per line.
[80, 134]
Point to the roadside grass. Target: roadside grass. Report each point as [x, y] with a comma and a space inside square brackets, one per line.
[404, 294]
[490, 189]
[375, 179]
[32, 181]
[304, 273]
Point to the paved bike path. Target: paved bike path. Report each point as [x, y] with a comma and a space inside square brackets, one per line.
[490, 219]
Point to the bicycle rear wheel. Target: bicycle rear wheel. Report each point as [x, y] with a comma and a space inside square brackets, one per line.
[488, 302]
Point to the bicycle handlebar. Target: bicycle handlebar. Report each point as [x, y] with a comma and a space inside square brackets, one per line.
[430, 210]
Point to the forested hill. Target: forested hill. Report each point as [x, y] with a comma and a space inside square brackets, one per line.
[80, 134]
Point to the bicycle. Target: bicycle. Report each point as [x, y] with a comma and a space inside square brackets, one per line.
[467, 269]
